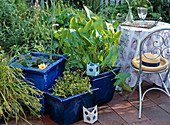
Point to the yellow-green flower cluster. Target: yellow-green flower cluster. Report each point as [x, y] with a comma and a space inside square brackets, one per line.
[72, 83]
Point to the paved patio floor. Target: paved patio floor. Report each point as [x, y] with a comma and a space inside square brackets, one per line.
[156, 111]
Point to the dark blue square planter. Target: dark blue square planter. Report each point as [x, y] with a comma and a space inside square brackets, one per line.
[68, 110]
[104, 82]
[44, 79]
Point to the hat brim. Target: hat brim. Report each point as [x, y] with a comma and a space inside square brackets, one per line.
[163, 64]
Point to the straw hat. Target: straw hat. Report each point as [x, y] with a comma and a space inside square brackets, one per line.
[155, 63]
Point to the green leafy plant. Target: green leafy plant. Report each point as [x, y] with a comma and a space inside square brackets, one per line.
[17, 98]
[72, 83]
[90, 39]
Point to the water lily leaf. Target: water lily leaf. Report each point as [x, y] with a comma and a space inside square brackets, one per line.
[28, 57]
[22, 57]
[24, 64]
[39, 61]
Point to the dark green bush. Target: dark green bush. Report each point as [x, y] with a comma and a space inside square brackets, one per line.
[22, 26]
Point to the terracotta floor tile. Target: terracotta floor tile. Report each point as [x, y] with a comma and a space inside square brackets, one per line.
[146, 103]
[155, 113]
[162, 121]
[109, 117]
[156, 98]
[35, 121]
[135, 94]
[165, 106]
[47, 120]
[83, 123]
[147, 122]
[127, 112]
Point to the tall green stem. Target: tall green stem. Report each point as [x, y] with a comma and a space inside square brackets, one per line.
[53, 17]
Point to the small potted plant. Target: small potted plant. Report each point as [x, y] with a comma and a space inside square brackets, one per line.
[92, 39]
[65, 100]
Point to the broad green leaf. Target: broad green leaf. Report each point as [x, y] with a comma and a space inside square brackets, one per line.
[117, 35]
[98, 23]
[80, 30]
[81, 16]
[112, 56]
[73, 23]
[56, 44]
[64, 34]
[115, 53]
[89, 12]
[121, 77]
[74, 33]
[90, 40]
[100, 58]
[88, 26]
[56, 35]
[86, 59]
[126, 87]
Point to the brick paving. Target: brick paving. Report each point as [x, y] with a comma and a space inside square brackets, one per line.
[156, 111]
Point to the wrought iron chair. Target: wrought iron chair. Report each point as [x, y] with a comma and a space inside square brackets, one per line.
[161, 50]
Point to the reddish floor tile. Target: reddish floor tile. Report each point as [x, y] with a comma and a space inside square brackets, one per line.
[35, 121]
[162, 121]
[83, 123]
[165, 106]
[156, 98]
[146, 103]
[127, 112]
[155, 113]
[135, 94]
[148, 122]
[47, 120]
[108, 117]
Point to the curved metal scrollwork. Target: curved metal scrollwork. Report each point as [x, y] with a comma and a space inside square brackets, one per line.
[160, 42]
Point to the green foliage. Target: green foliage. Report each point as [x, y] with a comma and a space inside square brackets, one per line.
[16, 96]
[121, 77]
[22, 26]
[89, 40]
[33, 61]
[71, 83]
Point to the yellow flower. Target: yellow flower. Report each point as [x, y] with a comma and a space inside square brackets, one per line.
[42, 66]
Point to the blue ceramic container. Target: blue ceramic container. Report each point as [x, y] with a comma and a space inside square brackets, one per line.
[66, 111]
[44, 79]
[104, 82]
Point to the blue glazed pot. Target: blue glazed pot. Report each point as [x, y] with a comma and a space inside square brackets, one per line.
[68, 110]
[44, 79]
[104, 82]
